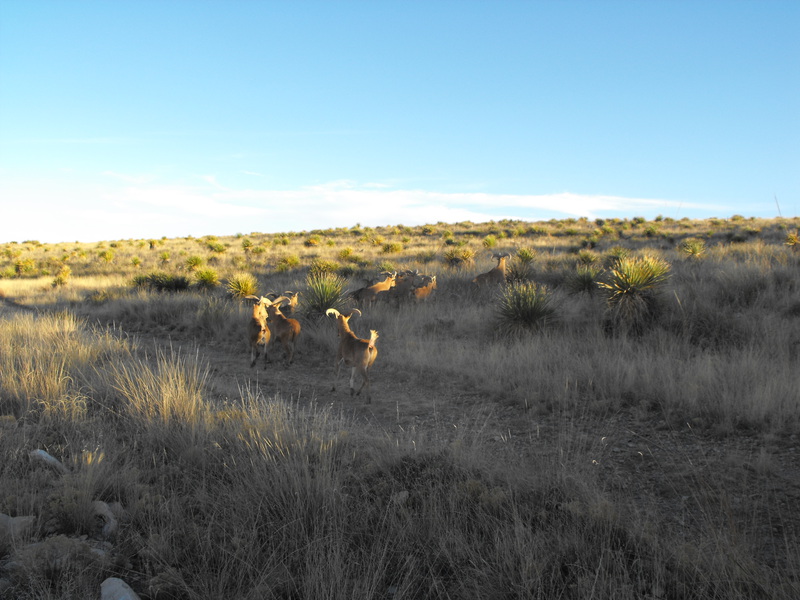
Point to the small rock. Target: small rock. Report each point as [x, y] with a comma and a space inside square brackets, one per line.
[400, 498]
[49, 460]
[114, 588]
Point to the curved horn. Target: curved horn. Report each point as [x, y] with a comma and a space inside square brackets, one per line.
[332, 311]
[354, 311]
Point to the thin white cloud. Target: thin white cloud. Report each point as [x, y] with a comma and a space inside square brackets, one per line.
[140, 209]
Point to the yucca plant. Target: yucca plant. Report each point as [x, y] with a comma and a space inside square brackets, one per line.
[632, 289]
[325, 290]
[242, 284]
[693, 248]
[523, 307]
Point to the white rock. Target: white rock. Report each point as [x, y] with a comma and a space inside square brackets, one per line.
[114, 588]
[49, 460]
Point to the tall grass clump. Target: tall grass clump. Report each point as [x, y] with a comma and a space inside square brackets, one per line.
[325, 290]
[632, 291]
[242, 284]
[524, 307]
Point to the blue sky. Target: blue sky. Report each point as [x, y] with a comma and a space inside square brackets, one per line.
[138, 119]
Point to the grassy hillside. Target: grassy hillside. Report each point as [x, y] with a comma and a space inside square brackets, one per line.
[119, 358]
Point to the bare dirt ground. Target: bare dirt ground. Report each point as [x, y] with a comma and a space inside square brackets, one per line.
[681, 478]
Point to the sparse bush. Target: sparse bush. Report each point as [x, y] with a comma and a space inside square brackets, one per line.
[489, 242]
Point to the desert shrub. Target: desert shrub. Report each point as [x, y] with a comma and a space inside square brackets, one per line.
[312, 241]
[489, 242]
[793, 240]
[392, 248]
[242, 284]
[632, 289]
[583, 279]
[24, 267]
[460, 256]
[524, 307]
[615, 255]
[290, 261]
[526, 255]
[325, 290]
[319, 265]
[193, 262]
[587, 257]
[519, 270]
[62, 277]
[162, 282]
[694, 248]
[206, 279]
